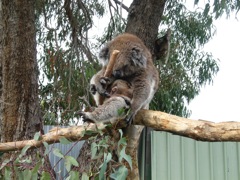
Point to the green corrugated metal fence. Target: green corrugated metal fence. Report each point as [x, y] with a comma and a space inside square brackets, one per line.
[179, 158]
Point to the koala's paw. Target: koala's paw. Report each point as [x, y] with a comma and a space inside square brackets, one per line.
[104, 81]
[127, 101]
[129, 118]
[93, 89]
[84, 116]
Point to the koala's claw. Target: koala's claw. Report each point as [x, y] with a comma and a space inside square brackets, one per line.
[129, 119]
[93, 89]
[104, 80]
[84, 116]
[106, 94]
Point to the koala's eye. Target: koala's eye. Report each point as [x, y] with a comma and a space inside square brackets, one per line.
[117, 73]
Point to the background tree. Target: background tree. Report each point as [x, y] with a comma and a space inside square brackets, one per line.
[20, 115]
[67, 53]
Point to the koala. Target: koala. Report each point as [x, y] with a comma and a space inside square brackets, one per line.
[115, 107]
[95, 84]
[133, 64]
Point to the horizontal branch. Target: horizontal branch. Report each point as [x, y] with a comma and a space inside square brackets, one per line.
[195, 129]
[74, 133]
[200, 130]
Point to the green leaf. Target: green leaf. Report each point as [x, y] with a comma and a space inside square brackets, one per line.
[85, 176]
[7, 173]
[1, 153]
[45, 176]
[58, 153]
[64, 140]
[46, 145]
[69, 161]
[121, 111]
[123, 155]
[120, 173]
[206, 10]
[73, 175]
[107, 158]
[27, 174]
[89, 132]
[4, 163]
[37, 136]
[121, 133]
[36, 168]
[24, 150]
[122, 142]
[94, 148]
[196, 2]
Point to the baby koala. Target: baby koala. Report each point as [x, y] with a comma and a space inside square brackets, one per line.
[114, 107]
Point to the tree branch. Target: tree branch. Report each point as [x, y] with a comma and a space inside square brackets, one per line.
[122, 5]
[199, 130]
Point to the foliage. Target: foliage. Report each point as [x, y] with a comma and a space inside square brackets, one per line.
[189, 67]
[24, 167]
[115, 160]
[68, 46]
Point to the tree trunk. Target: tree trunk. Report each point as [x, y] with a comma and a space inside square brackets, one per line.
[1, 52]
[21, 111]
[21, 117]
[143, 20]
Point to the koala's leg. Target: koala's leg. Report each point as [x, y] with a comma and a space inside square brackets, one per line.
[112, 109]
[142, 95]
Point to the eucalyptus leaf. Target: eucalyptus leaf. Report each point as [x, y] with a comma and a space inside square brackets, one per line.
[120, 173]
[58, 153]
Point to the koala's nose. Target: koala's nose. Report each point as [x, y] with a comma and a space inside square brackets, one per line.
[117, 74]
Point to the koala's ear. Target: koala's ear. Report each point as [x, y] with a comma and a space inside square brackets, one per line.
[138, 58]
[104, 54]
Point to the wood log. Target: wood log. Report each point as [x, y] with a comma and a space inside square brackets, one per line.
[111, 63]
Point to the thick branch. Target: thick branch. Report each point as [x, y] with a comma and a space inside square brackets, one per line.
[75, 133]
[198, 130]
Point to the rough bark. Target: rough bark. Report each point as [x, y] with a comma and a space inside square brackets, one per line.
[21, 117]
[143, 20]
[200, 130]
[1, 49]
[21, 111]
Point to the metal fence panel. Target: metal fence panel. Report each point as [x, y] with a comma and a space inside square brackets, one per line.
[180, 158]
[71, 149]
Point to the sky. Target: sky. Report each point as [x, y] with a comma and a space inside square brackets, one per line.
[220, 102]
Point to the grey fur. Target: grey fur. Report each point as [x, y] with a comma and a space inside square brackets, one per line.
[134, 65]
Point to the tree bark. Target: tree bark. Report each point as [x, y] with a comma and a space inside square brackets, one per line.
[200, 130]
[21, 110]
[143, 20]
[1, 52]
[21, 117]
